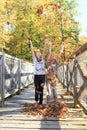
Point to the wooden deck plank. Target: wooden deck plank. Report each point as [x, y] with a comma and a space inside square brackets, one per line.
[40, 126]
[43, 122]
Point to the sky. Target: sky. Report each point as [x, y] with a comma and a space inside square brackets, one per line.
[82, 18]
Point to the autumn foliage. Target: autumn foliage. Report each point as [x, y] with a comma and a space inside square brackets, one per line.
[35, 20]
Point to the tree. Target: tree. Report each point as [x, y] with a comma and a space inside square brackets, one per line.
[38, 20]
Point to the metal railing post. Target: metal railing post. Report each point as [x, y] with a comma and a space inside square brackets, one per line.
[67, 78]
[3, 80]
[19, 77]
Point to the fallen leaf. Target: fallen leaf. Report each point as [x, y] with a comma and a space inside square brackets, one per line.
[53, 109]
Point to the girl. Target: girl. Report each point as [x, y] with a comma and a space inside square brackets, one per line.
[39, 72]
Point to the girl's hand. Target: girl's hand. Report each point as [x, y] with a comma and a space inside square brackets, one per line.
[30, 42]
[50, 43]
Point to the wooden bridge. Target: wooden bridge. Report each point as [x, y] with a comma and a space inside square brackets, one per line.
[12, 117]
[15, 74]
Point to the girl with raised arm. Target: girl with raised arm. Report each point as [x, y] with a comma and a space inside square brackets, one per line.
[39, 72]
[51, 75]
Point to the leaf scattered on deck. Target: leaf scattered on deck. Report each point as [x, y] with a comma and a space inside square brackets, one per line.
[52, 110]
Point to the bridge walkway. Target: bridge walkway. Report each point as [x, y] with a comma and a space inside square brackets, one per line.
[13, 118]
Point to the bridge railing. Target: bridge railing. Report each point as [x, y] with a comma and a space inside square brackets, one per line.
[73, 76]
[15, 74]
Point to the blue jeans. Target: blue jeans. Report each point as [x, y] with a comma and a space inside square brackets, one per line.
[51, 86]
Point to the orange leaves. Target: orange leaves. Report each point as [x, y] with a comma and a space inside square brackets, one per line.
[59, 6]
[42, 85]
[57, 110]
[73, 35]
[40, 10]
[66, 62]
[46, 6]
[61, 96]
[79, 111]
[54, 87]
[68, 93]
[55, 7]
[4, 118]
[38, 92]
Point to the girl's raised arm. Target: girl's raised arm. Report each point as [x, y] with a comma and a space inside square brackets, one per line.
[44, 50]
[31, 47]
